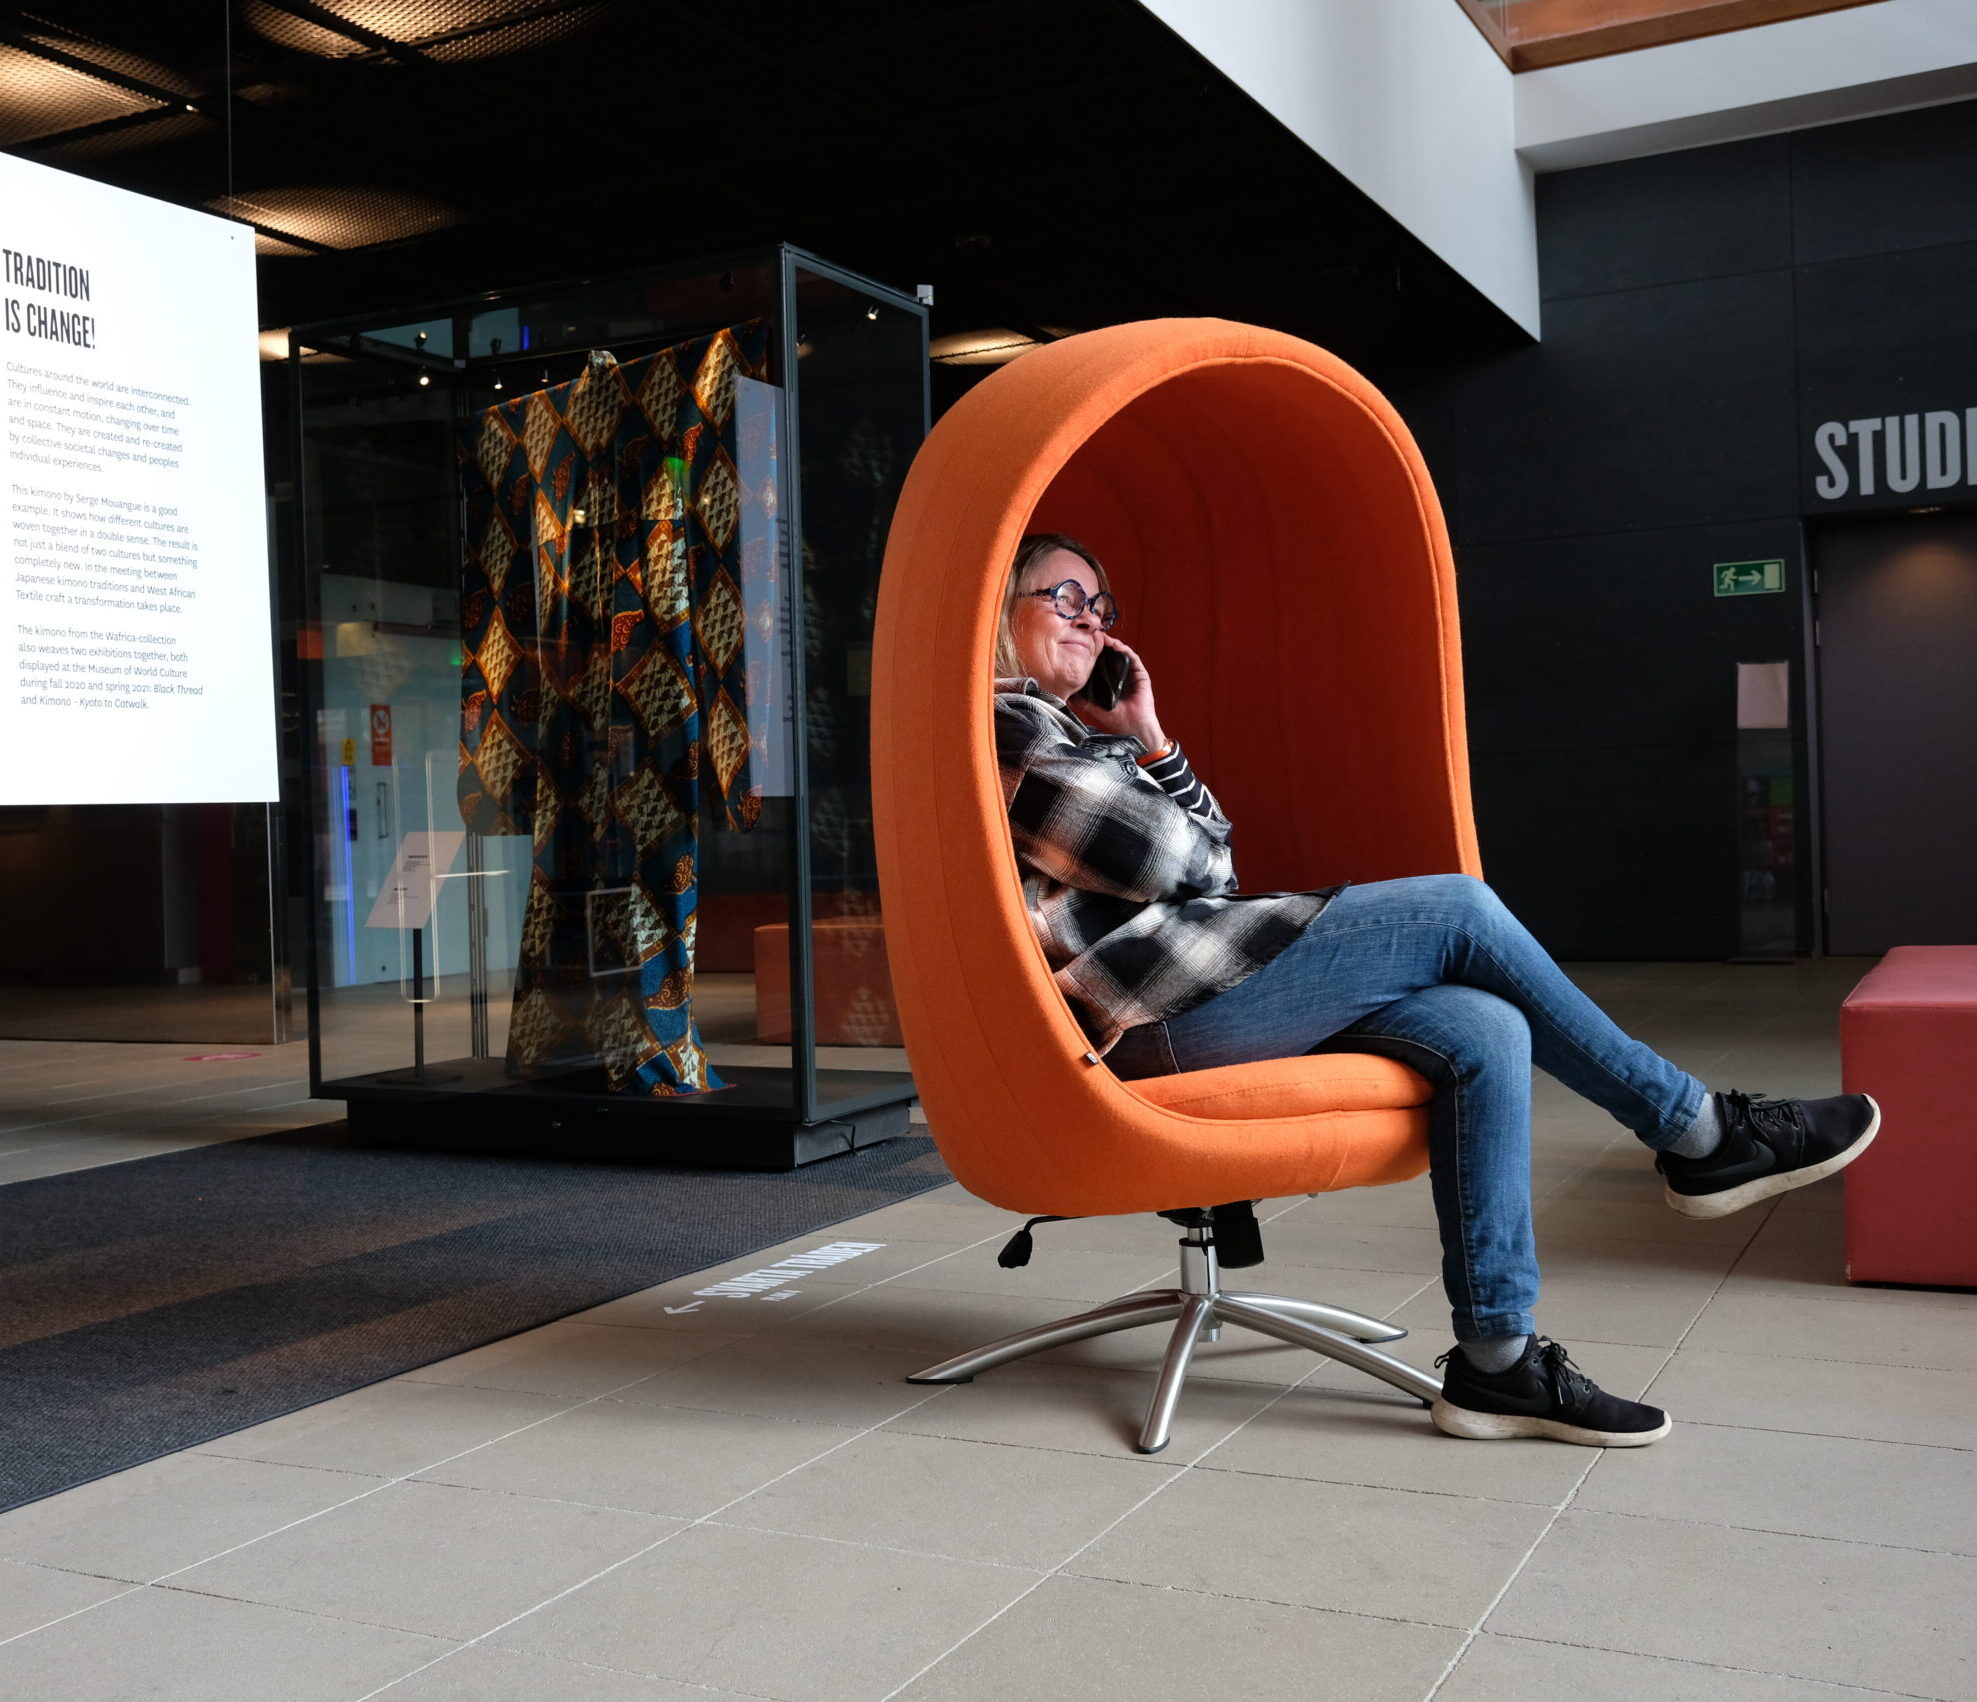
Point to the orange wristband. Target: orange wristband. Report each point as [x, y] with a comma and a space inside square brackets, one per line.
[1152, 757]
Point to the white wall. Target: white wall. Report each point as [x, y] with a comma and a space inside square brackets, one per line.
[1408, 102]
[1819, 70]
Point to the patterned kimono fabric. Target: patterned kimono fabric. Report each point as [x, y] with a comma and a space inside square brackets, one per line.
[603, 682]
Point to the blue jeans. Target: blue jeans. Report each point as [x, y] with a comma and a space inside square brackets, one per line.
[1435, 972]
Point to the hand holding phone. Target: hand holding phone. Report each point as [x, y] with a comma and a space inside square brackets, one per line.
[1118, 697]
[1109, 674]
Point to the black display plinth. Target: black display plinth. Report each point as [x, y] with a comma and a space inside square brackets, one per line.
[746, 1127]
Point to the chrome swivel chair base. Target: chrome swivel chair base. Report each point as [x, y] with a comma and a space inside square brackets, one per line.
[1198, 1309]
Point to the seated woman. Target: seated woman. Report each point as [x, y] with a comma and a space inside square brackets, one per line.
[1126, 869]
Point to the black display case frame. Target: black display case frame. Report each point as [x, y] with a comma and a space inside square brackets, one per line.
[771, 1116]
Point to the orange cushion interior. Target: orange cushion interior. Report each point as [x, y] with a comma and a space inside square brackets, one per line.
[1289, 1087]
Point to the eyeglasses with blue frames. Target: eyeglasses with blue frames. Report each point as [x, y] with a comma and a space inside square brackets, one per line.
[1068, 598]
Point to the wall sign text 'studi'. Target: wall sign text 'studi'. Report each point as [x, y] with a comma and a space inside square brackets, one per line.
[1896, 453]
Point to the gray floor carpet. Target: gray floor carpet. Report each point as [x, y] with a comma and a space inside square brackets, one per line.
[153, 1305]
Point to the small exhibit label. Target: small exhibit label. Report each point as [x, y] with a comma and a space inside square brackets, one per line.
[406, 898]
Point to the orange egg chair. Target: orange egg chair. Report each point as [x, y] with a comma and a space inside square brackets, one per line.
[1273, 536]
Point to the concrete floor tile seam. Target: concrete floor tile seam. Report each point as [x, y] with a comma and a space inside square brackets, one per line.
[1264, 1601]
[601, 1666]
[852, 1434]
[283, 1086]
[626, 1560]
[1836, 1359]
[128, 1590]
[891, 1418]
[1043, 1578]
[207, 1452]
[1779, 1531]
[1839, 1684]
[1037, 1573]
[1923, 1300]
[713, 1344]
[148, 1132]
[1025, 1447]
[15, 1071]
[1399, 1488]
[1065, 1565]
[1822, 1436]
[285, 1079]
[306, 1612]
[380, 1484]
[1517, 1571]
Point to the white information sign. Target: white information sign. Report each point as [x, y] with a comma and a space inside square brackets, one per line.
[406, 898]
[136, 661]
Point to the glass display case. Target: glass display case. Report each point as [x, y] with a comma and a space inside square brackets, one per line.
[585, 579]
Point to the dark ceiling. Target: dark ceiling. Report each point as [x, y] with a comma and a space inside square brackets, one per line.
[1042, 163]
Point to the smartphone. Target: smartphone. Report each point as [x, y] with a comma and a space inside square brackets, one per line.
[1108, 679]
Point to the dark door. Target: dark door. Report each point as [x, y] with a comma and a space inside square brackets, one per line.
[1897, 607]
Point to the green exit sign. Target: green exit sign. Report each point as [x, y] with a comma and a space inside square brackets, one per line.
[1748, 578]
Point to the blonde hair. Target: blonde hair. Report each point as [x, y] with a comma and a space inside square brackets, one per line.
[1037, 545]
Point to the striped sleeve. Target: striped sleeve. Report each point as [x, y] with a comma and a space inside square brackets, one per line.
[1173, 776]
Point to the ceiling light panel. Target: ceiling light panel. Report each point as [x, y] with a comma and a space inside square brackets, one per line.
[41, 98]
[522, 36]
[131, 67]
[330, 217]
[166, 124]
[443, 29]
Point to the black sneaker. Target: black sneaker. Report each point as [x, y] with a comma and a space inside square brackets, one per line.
[1543, 1394]
[1769, 1146]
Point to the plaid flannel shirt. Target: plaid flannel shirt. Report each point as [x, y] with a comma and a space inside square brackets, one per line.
[1127, 872]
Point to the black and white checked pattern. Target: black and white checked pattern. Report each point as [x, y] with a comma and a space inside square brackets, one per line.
[1127, 871]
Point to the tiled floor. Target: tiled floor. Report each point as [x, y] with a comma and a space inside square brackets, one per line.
[676, 1495]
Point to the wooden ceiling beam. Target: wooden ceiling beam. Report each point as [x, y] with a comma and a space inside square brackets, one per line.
[1531, 34]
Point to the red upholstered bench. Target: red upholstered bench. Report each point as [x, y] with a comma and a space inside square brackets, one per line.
[1908, 1036]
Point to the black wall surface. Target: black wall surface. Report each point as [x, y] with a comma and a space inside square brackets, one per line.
[1705, 313]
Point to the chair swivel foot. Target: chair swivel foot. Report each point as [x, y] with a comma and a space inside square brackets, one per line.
[1194, 1319]
[1332, 1345]
[1151, 1306]
[1346, 1323]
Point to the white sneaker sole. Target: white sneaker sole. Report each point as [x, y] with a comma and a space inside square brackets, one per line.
[1500, 1426]
[1779, 1182]
[1452, 1420]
